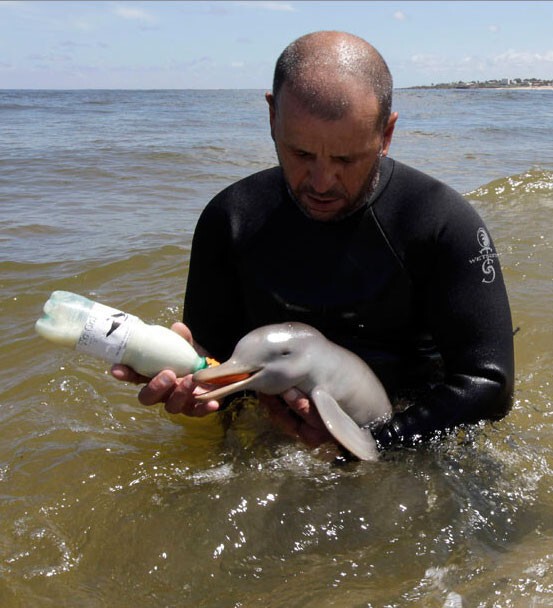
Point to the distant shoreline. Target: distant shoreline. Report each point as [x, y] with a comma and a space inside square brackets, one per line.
[516, 84]
[545, 87]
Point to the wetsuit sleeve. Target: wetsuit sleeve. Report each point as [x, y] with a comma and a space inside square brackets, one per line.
[467, 309]
[213, 308]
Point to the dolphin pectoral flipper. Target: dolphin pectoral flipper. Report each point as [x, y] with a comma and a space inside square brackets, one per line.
[344, 429]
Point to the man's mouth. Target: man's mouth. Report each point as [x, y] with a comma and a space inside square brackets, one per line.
[323, 200]
[321, 207]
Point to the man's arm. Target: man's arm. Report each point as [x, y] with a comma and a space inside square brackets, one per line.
[213, 306]
[468, 311]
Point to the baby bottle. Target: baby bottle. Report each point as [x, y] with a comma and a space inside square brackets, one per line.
[115, 336]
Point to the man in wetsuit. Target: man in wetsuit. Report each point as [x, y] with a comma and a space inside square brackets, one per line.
[384, 260]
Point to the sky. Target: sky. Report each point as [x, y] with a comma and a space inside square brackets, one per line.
[217, 44]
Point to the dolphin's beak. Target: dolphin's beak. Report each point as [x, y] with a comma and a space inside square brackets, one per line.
[223, 380]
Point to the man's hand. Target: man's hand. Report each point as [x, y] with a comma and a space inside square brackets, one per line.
[178, 394]
[297, 417]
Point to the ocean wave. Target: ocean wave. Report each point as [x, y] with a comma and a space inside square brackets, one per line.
[157, 274]
[19, 106]
[29, 230]
[430, 134]
[534, 185]
[75, 270]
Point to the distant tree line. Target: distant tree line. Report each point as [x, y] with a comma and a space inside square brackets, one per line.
[504, 83]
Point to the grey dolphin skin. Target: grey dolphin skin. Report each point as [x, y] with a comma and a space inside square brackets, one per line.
[274, 358]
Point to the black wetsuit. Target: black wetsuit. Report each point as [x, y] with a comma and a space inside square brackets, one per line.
[410, 282]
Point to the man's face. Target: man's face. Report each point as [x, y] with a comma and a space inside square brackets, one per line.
[331, 166]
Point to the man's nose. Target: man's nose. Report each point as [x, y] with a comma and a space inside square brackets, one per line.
[323, 176]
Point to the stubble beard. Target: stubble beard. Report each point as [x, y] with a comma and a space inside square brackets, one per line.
[364, 196]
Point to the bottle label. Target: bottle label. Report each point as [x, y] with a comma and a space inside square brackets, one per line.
[106, 333]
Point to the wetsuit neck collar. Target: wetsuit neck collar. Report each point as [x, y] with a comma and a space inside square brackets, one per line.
[386, 169]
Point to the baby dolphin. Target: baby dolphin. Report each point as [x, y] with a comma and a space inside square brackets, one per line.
[274, 358]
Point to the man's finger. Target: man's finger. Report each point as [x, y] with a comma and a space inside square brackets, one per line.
[312, 431]
[182, 330]
[127, 374]
[300, 404]
[158, 388]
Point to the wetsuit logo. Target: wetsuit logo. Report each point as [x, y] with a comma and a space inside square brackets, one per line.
[487, 256]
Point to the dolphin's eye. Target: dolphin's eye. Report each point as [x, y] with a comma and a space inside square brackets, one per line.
[286, 353]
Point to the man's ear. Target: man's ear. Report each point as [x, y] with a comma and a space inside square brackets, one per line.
[388, 133]
[272, 112]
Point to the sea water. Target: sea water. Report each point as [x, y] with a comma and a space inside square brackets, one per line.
[106, 502]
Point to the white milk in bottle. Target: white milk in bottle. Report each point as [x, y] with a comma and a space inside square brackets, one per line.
[115, 336]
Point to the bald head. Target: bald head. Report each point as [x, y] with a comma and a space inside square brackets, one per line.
[321, 68]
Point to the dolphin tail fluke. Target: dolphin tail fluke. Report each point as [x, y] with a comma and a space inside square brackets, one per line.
[344, 429]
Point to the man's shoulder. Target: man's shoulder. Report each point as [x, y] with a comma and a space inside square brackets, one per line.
[414, 193]
[267, 183]
[418, 210]
[416, 182]
[245, 205]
